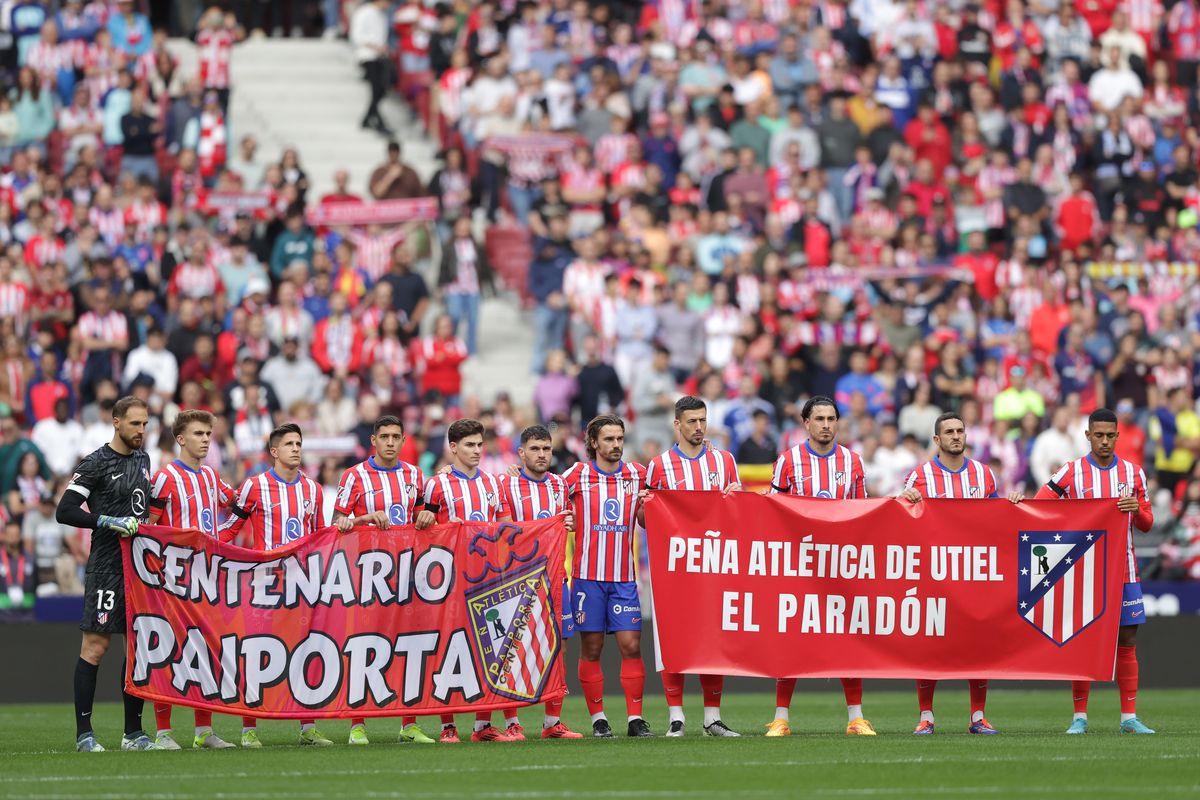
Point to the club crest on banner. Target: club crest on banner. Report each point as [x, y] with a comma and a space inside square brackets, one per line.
[515, 631]
[1060, 575]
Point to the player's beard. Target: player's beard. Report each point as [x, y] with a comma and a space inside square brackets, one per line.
[133, 442]
[956, 450]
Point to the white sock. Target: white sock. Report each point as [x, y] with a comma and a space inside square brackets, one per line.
[781, 712]
[550, 722]
[1080, 715]
[599, 715]
[711, 715]
[164, 732]
[926, 716]
[632, 717]
[1126, 717]
[248, 728]
[447, 725]
[203, 729]
[675, 713]
[854, 712]
[480, 724]
[512, 720]
[976, 716]
[307, 726]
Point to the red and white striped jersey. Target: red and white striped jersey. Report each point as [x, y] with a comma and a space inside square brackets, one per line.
[112, 327]
[189, 498]
[41, 250]
[110, 224]
[368, 488]
[375, 252]
[712, 470]
[15, 303]
[605, 519]
[526, 499]
[803, 472]
[578, 179]
[147, 216]
[613, 149]
[1084, 479]
[456, 495]
[215, 48]
[279, 512]
[973, 481]
[195, 280]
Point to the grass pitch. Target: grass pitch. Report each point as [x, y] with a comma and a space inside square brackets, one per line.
[1030, 758]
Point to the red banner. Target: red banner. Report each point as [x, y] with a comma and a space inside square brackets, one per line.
[383, 212]
[460, 617]
[776, 586]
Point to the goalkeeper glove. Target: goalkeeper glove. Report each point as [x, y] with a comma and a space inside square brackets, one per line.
[124, 526]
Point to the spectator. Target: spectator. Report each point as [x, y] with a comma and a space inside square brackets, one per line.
[293, 375]
[1013, 403]
[759, 446]
[463, 273]
[600, 389]
[557, 389]
[438, 359]
[1175, 430]
[59, 437]
[652, 397]
[18, 568]
[130, 30]
[295, 243]
[369, 35]
[139, 134]
[155, 360]
[1052, 448]
[394, 180]
[552, 255]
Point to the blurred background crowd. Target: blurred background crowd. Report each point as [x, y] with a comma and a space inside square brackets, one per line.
[911, 207]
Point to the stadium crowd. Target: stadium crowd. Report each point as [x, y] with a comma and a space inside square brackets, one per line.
[911, 207]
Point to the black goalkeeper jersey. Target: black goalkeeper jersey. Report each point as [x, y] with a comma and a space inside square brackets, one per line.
[116, 486]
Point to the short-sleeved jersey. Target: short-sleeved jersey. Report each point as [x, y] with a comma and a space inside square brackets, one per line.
[116, 486]
[525, 499]
[605, 519]
[279, 512]
[973, 481]
[712, 470]
[464, 498]
[368, 488]
[189, 498]
[1084, 479]
[803, 472]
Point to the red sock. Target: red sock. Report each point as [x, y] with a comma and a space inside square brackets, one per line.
[304, 722]
[978, 689]
[784, 688]
[591, 682]
[483, 716]
[712, 686]
[673, 688]
[249, 722]
[852, 688]
[357, 721]
[447, 719]
[162, 716]
[925, 690]
[554, 707]
[203, 718]
[406, 721]
[633, 682]
[1127, 678]
[1079, 694]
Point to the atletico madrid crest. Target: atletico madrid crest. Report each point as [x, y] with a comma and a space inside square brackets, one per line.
[1061, 588]
[515, 632]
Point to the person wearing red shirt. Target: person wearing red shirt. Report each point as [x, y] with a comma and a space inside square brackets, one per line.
[982, 263]
[1077, 216]
[47, 390]
[1014, 32]
[1131, 439]
[926, 189]
[929, 139]
[438, 360]
[1048, 320]
[1097, 14]
[205, 366]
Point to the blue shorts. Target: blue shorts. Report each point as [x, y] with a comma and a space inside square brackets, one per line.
[1133, 610]
[606, 606]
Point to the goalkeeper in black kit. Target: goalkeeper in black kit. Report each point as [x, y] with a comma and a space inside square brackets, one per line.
[114, 482]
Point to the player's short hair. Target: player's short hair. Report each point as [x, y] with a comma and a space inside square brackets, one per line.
[185, 418]
[385, 421]
[945, 417]
[533, 433]
[122, 406]
[462, 428]
[689, 402]
[282, 431]
[819, 400]
[1101, 415]
[598, 424]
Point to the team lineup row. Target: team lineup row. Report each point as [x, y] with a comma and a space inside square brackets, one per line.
[602, 501]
